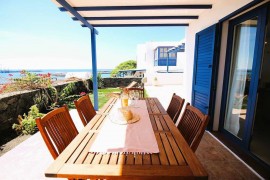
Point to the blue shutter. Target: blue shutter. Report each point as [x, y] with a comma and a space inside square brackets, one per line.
[204, 66]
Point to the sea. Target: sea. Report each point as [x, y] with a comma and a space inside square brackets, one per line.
[56, 74]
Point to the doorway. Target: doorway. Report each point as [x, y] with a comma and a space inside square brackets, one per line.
[260, 137]
[244, 116]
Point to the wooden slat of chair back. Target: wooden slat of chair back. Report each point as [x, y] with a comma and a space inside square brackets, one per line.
[175, 107]
[85, 109]
[57, 130]
[132, 84]
[139, 90]
[192, 126]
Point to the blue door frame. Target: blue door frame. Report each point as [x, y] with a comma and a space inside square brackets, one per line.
[257, 60]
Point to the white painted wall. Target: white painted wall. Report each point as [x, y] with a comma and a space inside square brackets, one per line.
[168, 78]
[219, 10]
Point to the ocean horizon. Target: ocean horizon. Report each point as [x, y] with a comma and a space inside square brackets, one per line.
[52, 70]
[58, 74]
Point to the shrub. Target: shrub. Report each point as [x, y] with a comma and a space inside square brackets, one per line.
[130, 64]
[26, 81]
[27, 123]
[66, 96]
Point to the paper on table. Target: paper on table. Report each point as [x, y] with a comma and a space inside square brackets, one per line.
[138, 137]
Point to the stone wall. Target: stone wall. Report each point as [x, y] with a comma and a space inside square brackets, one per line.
[119, 82]
[18, 103]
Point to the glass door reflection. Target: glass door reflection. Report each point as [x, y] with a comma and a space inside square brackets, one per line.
[240, 74]
[260, 138]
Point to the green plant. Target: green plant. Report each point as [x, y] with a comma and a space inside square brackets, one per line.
[26, 81]
[27, 123]
[65, 96]
[50, 98]
[130, 64]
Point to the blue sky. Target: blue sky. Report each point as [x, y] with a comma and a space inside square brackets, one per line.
[34, 34]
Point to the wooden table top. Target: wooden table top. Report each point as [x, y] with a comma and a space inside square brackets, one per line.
[175, 160]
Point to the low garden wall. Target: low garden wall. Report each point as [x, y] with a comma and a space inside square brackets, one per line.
[119, 82]
[17, 103]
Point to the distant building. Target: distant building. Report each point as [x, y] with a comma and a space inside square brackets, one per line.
[163, 61]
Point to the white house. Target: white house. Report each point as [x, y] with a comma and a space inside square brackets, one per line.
[161, 63]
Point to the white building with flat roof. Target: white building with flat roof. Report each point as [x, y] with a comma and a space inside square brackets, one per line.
[163, 64]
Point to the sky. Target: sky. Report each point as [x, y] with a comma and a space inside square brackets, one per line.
[35, 34]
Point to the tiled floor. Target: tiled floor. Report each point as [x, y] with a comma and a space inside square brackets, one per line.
[29, 160]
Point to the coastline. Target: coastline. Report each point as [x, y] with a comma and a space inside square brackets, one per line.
[56, 74]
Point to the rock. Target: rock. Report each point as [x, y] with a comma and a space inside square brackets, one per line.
[3, 106]
[12, 100]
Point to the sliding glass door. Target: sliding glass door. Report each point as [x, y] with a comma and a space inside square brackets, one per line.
[260, 137]
[244, 36]
[245, 114]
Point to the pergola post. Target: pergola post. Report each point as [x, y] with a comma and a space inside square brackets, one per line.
[94, 68]
[167, 61]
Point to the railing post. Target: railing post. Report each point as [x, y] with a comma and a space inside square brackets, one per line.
[167, 62]
[94, 68]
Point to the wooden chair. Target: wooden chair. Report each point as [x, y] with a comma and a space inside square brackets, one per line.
[139, 90]
[85, 109]
[132, 84]
[117, 94]
[57, 130]
[175, 107]
[192, 126]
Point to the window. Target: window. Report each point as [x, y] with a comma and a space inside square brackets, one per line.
[172, 55]
[161, 57]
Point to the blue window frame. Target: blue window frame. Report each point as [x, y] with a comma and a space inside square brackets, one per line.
[161, 56]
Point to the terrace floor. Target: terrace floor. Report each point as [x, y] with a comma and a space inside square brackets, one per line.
[30, 159]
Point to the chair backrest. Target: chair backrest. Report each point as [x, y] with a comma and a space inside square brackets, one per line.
[85, 109]
[132, 84]
[175, 107]
[136, 89]
[192, 126]
[57, 130]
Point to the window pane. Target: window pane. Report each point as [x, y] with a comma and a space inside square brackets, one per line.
[241, 68]
[172, 55]
[260, 143]
[165, 55]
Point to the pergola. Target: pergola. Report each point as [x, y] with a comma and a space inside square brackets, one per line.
[130, 13]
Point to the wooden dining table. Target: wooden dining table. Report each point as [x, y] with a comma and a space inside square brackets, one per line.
[174, 161]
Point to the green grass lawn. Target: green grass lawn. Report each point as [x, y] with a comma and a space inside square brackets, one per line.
[103, 95]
